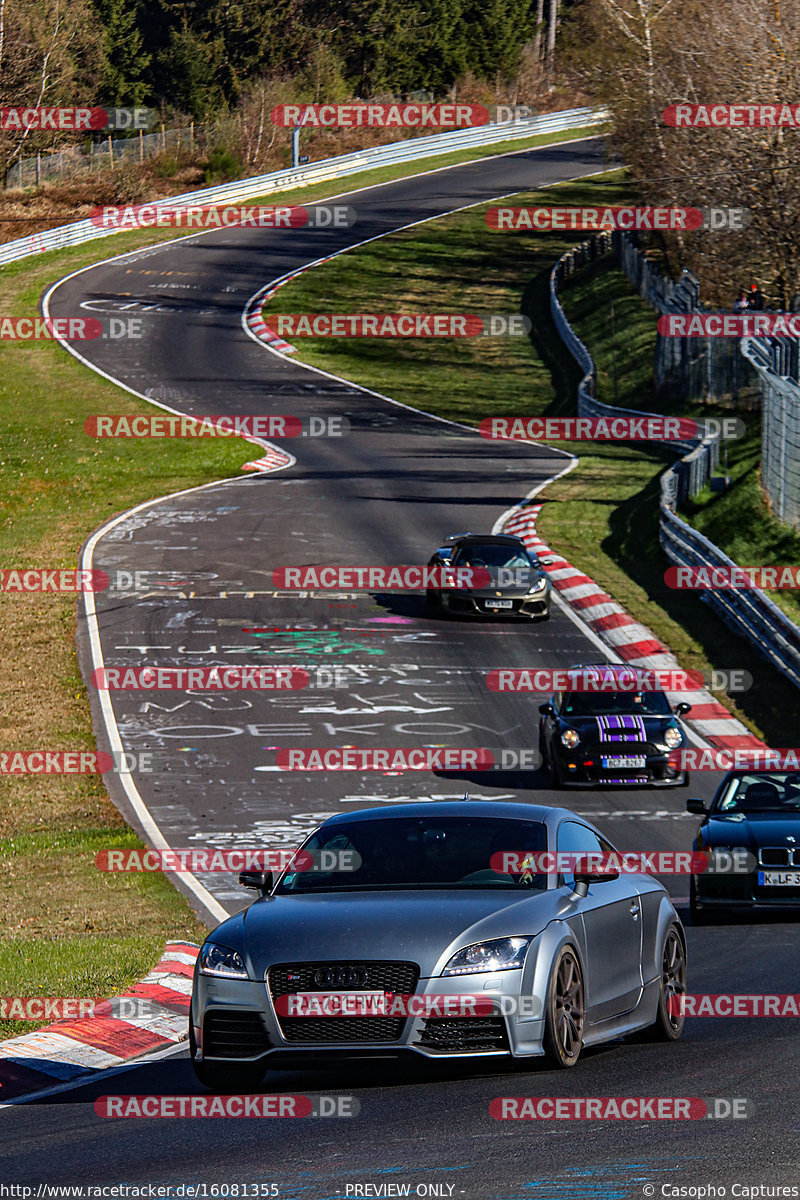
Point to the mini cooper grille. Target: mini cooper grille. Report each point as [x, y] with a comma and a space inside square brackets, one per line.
[288, 978]
[231, 1034]
[465, 1033]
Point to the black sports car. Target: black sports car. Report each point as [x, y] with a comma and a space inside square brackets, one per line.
[518, 587]
[604, 736]
[756, 812]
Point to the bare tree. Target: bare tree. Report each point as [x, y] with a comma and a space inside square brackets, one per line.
[49, 55]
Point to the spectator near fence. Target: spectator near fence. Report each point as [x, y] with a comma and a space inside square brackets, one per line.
[755, 300]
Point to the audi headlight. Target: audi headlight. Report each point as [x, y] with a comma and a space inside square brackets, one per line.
[221, 960]
[570, 739]
[501, 954]
[673, 737]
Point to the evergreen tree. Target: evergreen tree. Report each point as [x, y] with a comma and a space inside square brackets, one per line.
[125, 76]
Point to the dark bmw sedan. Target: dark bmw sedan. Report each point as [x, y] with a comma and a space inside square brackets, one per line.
[606, 736]
[758, 814]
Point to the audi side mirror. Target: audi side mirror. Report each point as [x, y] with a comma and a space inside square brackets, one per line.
[259, 881]
[584, 878]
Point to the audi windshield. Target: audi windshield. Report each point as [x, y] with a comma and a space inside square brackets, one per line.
[414, 853]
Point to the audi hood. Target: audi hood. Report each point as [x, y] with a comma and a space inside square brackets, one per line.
[404, 925]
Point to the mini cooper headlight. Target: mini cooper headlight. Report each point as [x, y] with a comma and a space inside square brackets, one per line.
[500, 954]
[673, 737]
[570, 738]
[222, 961]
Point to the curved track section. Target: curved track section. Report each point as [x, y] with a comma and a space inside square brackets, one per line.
[384, 494]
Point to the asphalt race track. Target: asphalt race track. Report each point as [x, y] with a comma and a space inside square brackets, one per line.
[385, 493]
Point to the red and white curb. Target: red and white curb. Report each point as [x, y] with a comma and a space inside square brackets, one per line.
[68, 1049]
[632, 642]
[273, 460]
[255, 317]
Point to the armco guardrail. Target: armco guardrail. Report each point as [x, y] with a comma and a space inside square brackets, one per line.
[747, 611]
[327, 169]
[704, 453]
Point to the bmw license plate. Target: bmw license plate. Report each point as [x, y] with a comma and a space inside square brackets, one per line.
[779, 878]
[630, 760]
[499, 603]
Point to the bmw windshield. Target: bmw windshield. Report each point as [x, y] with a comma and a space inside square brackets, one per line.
[777, 791]
[440, 852]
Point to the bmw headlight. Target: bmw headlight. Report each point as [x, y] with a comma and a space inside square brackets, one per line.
[570, 738]
[673, 737]
[500, 954]
[222, 961]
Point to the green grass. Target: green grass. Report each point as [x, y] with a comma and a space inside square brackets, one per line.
[604, 515]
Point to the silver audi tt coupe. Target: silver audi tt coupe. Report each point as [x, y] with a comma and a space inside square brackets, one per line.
[451, 938]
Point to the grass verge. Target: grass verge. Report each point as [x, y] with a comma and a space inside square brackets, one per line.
[604, 515]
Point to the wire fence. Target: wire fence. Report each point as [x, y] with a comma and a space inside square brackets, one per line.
[78, 160]
[706, 370]
[777, 364]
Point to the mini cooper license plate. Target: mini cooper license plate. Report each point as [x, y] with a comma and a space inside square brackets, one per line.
[779, 878]
[630, 760]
